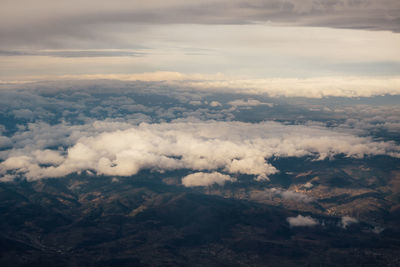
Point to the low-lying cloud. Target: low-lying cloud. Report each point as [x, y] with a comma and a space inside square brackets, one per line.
[301, 221]
[346, 221]
[286, 195]
[120, 149]
[206, 179]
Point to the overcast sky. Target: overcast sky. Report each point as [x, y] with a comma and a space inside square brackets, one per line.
[46, 39]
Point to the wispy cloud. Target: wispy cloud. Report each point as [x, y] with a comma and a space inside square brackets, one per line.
[347, 220]
[71, 53]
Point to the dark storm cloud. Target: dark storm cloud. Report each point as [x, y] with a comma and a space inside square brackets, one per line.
[44, 22]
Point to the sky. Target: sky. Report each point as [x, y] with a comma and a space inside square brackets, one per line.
[335, 40]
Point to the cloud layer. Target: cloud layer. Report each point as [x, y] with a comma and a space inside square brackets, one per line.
[120, 149]
[250, 39]
[48, 20]
[339, 86]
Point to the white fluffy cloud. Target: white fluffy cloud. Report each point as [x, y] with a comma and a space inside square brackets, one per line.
[120, 149]
[215, 104]
[301, 221]
[206, 179]
[308, 185]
